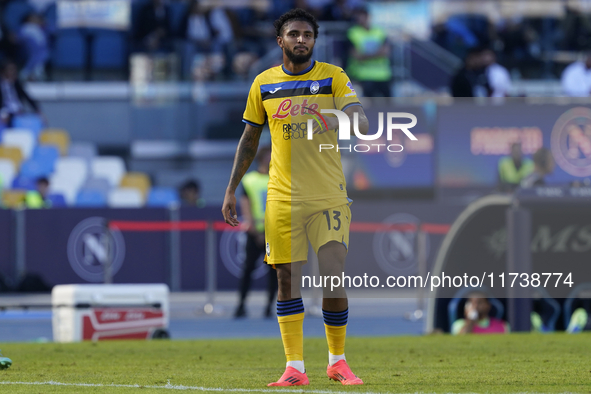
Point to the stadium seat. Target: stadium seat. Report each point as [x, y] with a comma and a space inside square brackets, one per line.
[136, 180]
[57, 200]
[109, 50]
[32, 122]
[35, 169]
[23, 139]
[162, 197]
[100, 184]
[13, 198]
[7, 173]
[73, 168]
[56, 137]
[24, 183]
[46, 154]
[69, 50]
[60, 184]
[125, 198]
[111, 168]
[13, 154]
[85, 150]
[91, 198]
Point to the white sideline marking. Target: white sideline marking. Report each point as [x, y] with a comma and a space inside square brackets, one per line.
[299, 389]
[169, 386]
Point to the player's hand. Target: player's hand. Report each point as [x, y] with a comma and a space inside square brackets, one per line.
[320, 128]
[229, 210]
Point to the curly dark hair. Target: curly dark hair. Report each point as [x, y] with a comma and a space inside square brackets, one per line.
[296, 14]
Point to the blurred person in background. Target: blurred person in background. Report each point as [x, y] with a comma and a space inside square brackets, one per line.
[36, 47]
[241, 64]
[543, 165]
[513, 169]
[252, 204]
[497, 76]
[576, 29]
[190, 194]
[36, 199]
[209, 34]
[12, 94]
[576, 78]
[471, 79]
[476, 318]
[340, 10]
[369, 60]
[153, 30]
[520, 44]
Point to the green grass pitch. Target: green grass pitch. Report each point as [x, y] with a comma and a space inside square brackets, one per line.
[515, 363]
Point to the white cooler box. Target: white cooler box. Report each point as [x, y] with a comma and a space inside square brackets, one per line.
[100, 312]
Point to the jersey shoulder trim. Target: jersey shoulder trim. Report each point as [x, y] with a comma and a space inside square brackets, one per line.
[252, 123]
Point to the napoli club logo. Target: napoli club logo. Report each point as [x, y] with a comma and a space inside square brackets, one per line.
[394, 250]
[233, 254]
[571, 141]
[90, 247]
[315, 87]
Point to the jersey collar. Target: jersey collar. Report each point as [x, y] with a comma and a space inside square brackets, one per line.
[301, 72]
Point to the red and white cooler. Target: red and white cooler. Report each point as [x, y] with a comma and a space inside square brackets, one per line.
[114, 311]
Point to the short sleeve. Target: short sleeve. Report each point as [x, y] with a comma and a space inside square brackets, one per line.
[343, 92]
[254, 114]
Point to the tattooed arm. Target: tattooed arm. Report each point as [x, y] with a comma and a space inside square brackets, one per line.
[247, 150]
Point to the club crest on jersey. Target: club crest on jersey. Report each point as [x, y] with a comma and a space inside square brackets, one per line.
[315, 87]
[268, 250]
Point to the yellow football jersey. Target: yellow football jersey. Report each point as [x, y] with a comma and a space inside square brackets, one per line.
[299, 171]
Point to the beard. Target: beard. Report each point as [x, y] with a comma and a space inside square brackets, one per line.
[298, 59]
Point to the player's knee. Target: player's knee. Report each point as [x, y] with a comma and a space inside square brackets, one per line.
[283, 277]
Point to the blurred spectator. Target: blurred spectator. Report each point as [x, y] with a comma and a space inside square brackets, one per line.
[340, 10]
[9, 48]
[513, 169]
[35, 199]
[36, 47]
[190, 194]
[497, 76]
[476, 318]
[241, 64]
[252, 205]
[543, 165]
[576, 78]
[209, 35]
[369, 62]
[471, 79]
[519, 42]
[12, 94]
[576, 30]
[153, 30]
